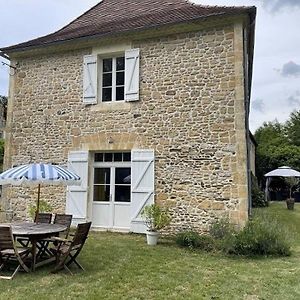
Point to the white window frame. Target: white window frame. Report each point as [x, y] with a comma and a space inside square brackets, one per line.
[114, 86]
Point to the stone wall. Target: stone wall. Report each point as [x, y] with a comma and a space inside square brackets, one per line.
[187, 112]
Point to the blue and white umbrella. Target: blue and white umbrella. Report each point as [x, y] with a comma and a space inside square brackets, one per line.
[39, 174]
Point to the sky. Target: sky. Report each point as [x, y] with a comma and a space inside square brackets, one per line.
[276, 75]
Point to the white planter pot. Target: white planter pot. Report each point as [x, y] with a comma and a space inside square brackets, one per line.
[152, 237]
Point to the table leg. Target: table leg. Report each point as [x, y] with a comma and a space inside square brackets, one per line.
[33, 243]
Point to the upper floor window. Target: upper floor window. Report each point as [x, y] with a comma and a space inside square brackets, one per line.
[113, 79]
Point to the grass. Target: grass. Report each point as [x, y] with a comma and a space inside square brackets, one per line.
[123, 267]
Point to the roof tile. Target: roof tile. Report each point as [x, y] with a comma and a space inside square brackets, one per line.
[116, 16]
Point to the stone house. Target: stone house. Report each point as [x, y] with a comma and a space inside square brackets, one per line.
[147, 100]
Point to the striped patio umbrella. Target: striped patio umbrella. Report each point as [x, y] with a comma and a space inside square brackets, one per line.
[37, 175]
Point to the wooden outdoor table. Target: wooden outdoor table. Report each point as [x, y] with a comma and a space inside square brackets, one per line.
[36, 232]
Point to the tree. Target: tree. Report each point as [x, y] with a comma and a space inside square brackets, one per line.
[278, 145]
[269, 137]
[292, 128]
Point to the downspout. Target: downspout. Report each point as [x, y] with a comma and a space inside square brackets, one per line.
[247, 87]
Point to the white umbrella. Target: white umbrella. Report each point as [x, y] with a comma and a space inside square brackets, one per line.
[283, 172]
[37, 175]
[280, 172]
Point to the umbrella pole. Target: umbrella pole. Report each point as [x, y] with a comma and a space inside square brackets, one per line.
[38, 202]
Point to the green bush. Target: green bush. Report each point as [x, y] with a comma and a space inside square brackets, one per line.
[194, 240]
[221, 229]
[261, 236]
[257, 195]
[44, 207]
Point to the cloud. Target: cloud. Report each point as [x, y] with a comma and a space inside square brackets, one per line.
[258, 105]
[276, 5]
[290, 69]
[294, 100]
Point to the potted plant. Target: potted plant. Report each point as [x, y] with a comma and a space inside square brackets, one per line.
[155, 218]
[291, 183]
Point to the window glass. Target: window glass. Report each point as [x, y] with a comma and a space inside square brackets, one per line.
[120, 63]
[120, 93]
[117, 156]
[122, 176]
[120, 78]
[101, 193]
[106, 94]
[127, 156]
[102, 176]
[107, 65]
[107, 79]
[122, 193]
[98, 157]
[108, 157]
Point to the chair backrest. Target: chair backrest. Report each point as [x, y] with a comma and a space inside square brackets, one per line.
[6, 238]
[81, 234]
[63, 219]
[43, 218]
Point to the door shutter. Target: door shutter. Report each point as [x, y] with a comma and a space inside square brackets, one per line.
[132, 74]
[90, 79]
[77, 196]
[142, 186]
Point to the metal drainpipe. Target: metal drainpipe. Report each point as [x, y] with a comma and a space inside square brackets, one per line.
[247, 111]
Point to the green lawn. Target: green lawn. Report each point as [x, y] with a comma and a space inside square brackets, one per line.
[124, 267]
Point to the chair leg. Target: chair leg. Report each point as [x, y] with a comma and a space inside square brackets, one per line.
[43, 249]
[13, 274]
[22, 264]
[73, 260]
[59, 266]
[66, 268]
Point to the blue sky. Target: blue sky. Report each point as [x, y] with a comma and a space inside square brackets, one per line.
[276, 78]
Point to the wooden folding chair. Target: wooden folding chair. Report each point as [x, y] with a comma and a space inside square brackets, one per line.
[39, 218]
[61, 219]
[9, 252]
[43, 218]
[68, 250]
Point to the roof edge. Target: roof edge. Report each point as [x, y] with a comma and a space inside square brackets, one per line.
[250, 10]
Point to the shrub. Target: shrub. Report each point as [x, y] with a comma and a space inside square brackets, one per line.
[224, 234]
[44, 207]
[194, 240]
[257, 195]
[221, 229]
[261, 236]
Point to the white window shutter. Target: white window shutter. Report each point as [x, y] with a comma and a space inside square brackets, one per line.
[77, 196]
[90, 79]
[142, 186]
[132, 74]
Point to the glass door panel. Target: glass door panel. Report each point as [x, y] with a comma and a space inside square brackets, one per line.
[122, 184]
[102, 184]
